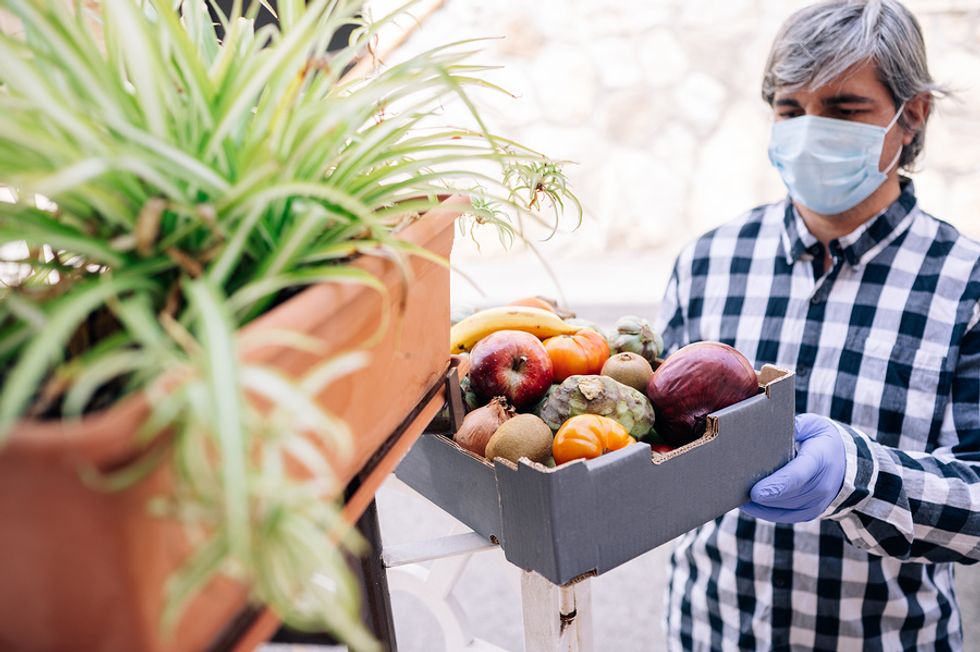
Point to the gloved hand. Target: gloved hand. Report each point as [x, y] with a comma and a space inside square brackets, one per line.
[803, 488]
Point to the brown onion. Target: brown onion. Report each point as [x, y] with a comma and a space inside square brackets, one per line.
[695, 381]
[480, 424]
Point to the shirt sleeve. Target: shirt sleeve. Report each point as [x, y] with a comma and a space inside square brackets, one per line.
[916, 506]
[670, 316]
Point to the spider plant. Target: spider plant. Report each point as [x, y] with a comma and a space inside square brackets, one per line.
[167, 187]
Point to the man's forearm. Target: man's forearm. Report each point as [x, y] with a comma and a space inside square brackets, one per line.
[913, 506]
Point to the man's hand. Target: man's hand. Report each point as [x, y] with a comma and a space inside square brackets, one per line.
[803, 488]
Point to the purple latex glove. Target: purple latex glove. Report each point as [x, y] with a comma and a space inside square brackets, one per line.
[803, 488]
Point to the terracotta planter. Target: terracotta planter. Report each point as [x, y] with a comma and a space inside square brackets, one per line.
[84, 570]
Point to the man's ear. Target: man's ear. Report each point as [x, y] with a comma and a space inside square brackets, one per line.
[915, 115]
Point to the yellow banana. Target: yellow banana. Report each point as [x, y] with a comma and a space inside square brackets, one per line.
[537, 321]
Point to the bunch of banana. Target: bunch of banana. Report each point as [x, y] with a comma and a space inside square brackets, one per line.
[537, 321]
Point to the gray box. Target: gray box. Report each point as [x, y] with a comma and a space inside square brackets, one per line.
[589, 516]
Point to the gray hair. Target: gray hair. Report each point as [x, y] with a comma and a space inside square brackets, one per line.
[820, 42]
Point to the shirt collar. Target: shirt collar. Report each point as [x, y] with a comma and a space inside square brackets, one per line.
[859, 245]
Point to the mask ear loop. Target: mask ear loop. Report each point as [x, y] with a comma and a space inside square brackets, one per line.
[898, 154]
[901, 109]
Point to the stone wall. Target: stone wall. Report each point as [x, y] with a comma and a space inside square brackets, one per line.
[658, 103]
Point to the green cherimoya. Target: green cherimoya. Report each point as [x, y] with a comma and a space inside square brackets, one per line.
[471, 400]
[636, 335]
[597, 395]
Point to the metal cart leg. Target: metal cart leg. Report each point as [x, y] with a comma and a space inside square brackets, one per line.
[375, 581]
[376, 611]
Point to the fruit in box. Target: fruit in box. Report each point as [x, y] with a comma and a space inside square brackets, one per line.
[545, 303]
[541, 323]
[588, 436]
[587, 323]
[661, 449]
[524, 435]
[481, 424]
[471, 400]
[460, 312]
[695, 381]
[512, 364]
[629, 368]
[600, 395]
[583, 353]
[636, 335]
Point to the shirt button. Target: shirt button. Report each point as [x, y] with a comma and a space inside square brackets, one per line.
[802, 372]
[779, 583]
[816, 298]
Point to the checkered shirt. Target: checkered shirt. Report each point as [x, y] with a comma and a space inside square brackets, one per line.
[886, 343]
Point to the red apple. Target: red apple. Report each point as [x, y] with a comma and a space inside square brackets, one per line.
[512, 364]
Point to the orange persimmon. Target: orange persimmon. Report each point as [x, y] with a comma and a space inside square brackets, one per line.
[544, 303]
[583, 353]
[587, 436]
[535, 302]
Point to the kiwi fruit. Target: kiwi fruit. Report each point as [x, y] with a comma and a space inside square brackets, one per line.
[523, 435]
[630, 369]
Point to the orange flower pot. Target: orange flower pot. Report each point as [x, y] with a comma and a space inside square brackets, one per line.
[82, 569]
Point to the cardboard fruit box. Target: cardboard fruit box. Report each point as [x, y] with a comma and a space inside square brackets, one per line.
[589, 516]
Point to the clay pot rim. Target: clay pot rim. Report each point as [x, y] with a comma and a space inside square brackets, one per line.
[105, 436]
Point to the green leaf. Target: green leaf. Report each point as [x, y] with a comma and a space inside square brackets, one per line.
[27, 311]
[81, 69]
[147, 71]
[284, 56]
[191, 58]
[216, 334]
[127, 476]
[20, 76]
[97, 373]
[203, 565]
[200, 28]
[137, 315]
[46, 348]
[299, 405]
[243, 300]
[12, 338]
[37, 227]
[176, 162]
[318, 378]
[311, 219]
[280, 337]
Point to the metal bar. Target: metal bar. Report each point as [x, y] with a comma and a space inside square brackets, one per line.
[454, 396]
[448, 546]
[234, 631]
[375, 582]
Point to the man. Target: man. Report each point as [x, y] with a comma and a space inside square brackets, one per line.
[874, 304]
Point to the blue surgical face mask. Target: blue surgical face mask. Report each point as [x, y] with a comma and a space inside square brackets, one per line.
[828, 165]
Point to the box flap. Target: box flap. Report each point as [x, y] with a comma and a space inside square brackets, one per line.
[456, 482]
[547, 519]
